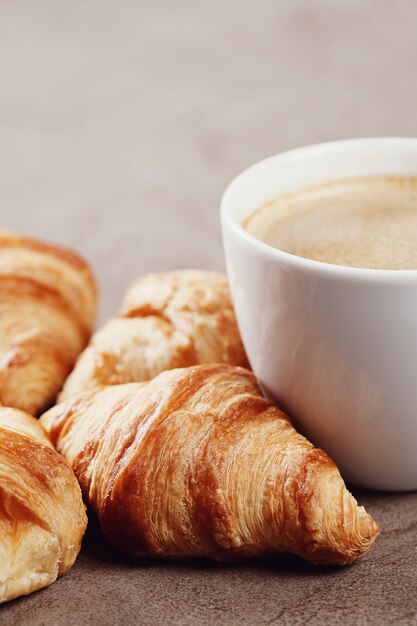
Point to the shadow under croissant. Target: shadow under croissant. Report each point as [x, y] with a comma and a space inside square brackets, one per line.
[97, 547]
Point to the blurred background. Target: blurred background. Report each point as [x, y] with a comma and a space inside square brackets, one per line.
[121, 123]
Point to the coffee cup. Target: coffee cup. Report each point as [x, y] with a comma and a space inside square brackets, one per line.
[335, 346]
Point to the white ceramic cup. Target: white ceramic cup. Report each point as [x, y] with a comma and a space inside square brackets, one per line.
[336, 346]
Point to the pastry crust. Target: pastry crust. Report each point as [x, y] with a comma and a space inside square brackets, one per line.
[197, 462]
[42, 516]
[168, 320]
[47, 310]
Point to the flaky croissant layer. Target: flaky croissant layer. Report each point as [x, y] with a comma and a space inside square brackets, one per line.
[42, 516]
[197, 462]
[47, 309]
[167, 320]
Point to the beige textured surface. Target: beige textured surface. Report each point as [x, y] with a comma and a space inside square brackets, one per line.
[120, 125]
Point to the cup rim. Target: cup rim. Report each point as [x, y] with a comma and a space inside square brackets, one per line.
[301, 263]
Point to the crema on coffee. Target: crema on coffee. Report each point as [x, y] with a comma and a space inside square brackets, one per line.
[368, 222]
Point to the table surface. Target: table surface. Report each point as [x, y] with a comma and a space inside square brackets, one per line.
[120, 126]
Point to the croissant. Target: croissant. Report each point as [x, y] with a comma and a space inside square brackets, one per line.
[168, 320]
[47, 308]
[42, 516]
[197, 462]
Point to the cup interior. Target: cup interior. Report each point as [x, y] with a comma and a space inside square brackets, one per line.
[324, 162]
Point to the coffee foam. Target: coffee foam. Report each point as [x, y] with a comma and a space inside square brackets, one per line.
[368, 222]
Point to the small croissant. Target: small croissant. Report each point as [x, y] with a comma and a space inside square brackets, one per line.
[47, 309]
[167, 320]
[197, 462]
[42, 515]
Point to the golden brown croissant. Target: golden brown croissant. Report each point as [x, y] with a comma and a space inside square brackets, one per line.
[197, 462]
[42, 516]
[168, 320]
[47, 308]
